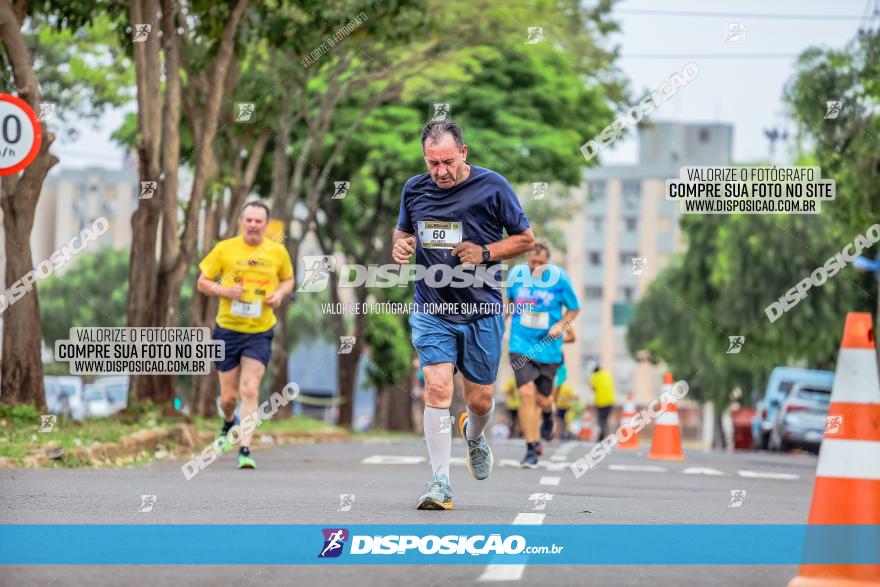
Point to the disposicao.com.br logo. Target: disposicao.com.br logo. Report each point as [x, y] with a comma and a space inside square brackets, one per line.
[477, 545]
[317, 270]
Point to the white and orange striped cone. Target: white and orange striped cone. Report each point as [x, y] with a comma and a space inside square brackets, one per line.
[587, 426]
[666, 444]
[847, 489]
[629, 414]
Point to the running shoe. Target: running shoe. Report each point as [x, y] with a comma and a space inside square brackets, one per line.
[222, 442]
[530, 461]
[439, 496]
[548, 424]
[479, 457]
[246, 462]
[539, 449]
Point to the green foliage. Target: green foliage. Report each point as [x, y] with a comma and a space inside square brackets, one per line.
[391, 352]
[734, 267]
[20, 413]
[91, 291]
[845, 147]
[82, 69]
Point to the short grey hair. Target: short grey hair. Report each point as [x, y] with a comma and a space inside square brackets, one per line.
[255, 204]
[435, 131]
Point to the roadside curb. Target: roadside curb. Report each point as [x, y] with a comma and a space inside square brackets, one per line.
[162, 443]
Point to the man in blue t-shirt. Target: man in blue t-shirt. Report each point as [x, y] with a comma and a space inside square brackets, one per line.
[453, 218]
[538, 293]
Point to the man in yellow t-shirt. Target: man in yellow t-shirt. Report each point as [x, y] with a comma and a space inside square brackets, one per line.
[255, 276]
[603, 386]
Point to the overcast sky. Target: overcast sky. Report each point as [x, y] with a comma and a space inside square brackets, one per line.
[737, 89]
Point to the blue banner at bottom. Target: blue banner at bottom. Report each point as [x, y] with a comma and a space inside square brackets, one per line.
[587, 544]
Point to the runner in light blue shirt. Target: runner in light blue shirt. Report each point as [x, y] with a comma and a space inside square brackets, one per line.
[545, 306]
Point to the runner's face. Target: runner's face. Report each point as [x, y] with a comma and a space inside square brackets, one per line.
[446, 163]
[536, 260]
[254, 223]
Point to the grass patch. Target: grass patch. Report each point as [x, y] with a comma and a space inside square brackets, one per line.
[300, 424]
[20, 431]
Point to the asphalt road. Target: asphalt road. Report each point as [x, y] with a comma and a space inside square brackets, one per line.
[301, 484]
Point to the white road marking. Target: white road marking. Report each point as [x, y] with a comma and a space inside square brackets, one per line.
[529, 519]
[562, 466]
[495, 572]
[549, 480]
[766, 475]
[392, 460]
[556, 466]
[638, 468]
[558, 457]
[701, 471]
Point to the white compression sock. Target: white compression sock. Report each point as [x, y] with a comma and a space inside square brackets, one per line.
[476, 423]
[438, 436]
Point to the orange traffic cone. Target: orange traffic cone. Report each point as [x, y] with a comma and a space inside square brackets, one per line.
[666, 444]
[847, 489]
[629, 413]
[587, 426]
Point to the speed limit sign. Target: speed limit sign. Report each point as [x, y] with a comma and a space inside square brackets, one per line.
[20, 134]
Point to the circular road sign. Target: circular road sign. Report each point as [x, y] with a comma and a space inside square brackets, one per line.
[20, 134]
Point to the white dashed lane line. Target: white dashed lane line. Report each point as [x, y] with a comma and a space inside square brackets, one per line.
[558, 466]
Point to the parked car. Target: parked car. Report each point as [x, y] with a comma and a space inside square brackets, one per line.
[106, 396]
[780, 384]
[801, 419]
[64, 396]
[116, 387]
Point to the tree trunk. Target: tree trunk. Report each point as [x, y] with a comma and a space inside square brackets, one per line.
[154, 302]
[719, 441]
[145, 220]
[348, 363]
[21, 372]
[399, 408]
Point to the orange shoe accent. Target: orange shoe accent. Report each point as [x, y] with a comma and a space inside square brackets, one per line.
[847, 488]
[461, 420]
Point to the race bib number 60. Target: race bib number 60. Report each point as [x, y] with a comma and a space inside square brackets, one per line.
[437, 234]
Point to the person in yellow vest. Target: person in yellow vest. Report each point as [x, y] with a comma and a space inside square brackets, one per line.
[511, 394]
[603, 387]
[565, 397]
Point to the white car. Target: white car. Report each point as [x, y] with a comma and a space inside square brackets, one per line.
[106, 396]
[64, 396]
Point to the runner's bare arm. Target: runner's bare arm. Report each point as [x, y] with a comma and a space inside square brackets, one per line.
[404, 246]
[209, 287]
[275, 298]
[563, 325]
[508, 248]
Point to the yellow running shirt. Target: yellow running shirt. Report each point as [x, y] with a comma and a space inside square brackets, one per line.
[259, 270]
[603, 385]
[565, 396]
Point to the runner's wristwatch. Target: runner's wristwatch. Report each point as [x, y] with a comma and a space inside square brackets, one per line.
[485, 254]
